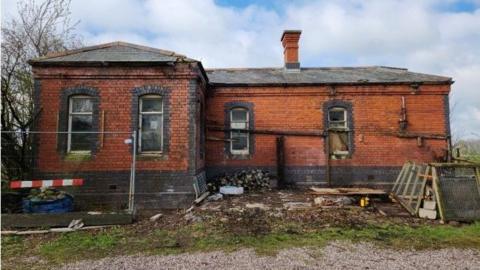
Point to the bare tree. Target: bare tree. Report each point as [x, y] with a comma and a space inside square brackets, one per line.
[39, 28]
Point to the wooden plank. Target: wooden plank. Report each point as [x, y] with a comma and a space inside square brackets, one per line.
[391, 209]
[402, 202]
[412, 173]
[414, 186]
[55, 230]
[438, 197]
[64, 219]
[406, 197]
[422, 188]
[347, 191]
[399, 177]
[201, 198]
[458, 165]
[404, 179]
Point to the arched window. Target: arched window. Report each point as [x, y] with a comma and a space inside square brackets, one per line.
[80, 124]
[150, 124]
[239, 140]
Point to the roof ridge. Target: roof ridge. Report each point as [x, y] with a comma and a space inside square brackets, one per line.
[108, 45]
[395, 68]
[241, 69]
[307, 68]
[322, 75]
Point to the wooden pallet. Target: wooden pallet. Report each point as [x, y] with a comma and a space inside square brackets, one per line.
[457, 196]
[409, 188]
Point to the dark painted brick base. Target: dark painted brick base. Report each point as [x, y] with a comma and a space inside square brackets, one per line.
[109, 190]
[380, 177]
[159, 189]
[213, 172]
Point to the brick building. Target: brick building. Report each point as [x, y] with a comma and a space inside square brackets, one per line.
[339, 126]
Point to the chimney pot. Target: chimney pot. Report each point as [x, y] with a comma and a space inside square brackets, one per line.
[290, 48]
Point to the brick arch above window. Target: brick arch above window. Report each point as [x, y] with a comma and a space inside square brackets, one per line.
[65, 96]
[348, 106]
[164, 92]
[249, 106]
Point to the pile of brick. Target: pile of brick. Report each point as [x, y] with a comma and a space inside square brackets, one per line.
[254, 179]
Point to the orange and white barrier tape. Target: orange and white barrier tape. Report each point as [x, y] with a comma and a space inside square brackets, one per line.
[46, 183]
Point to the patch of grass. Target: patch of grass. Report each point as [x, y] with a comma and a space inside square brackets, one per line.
[82, 244]
[204, 237]
[388, 236]
[473, 158]
[12, 245]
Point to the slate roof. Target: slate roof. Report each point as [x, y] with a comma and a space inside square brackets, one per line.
[115, 52]
[130, 54]
[334, 75]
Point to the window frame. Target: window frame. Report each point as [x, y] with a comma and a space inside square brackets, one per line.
[245, 151]
[140, 121]
[339, 129]
[70, 116]
[345, 117]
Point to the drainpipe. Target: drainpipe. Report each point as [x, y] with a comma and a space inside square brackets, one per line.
[327, 158]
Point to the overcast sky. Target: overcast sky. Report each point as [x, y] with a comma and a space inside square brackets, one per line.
[432, 36]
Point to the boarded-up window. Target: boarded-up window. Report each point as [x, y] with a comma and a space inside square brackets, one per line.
[338, 133]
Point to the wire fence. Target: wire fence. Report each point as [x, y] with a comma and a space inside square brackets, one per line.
[101, 164]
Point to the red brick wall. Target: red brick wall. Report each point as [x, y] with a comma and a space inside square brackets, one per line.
[115, 86]
[376, 111]
[200, 153]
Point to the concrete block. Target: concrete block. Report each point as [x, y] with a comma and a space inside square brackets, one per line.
[427, 213]
[430, 205]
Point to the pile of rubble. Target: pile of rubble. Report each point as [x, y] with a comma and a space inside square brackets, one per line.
[254, 179]
[45, 194]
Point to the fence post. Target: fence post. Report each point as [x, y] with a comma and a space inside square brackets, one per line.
[281, 161]
[131, 195]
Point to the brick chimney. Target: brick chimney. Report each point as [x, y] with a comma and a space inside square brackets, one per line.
[290, 48]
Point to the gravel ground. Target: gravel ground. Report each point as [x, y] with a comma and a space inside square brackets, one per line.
[337, 255]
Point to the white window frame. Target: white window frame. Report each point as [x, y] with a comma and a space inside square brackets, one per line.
[70, 116]
[140, 122]
[345, 122]
[245, 151]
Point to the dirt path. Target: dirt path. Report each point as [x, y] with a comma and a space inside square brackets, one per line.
[337, 255]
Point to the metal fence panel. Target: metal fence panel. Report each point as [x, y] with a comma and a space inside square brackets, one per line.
[107, 169]
[460, 193]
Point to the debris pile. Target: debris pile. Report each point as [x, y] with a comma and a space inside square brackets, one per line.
[254, 179]
[249, 221]
[46, 194]
[333, 201]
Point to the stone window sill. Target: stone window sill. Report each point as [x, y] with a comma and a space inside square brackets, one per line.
[78, 156]
[240, 156]
[151, 156]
